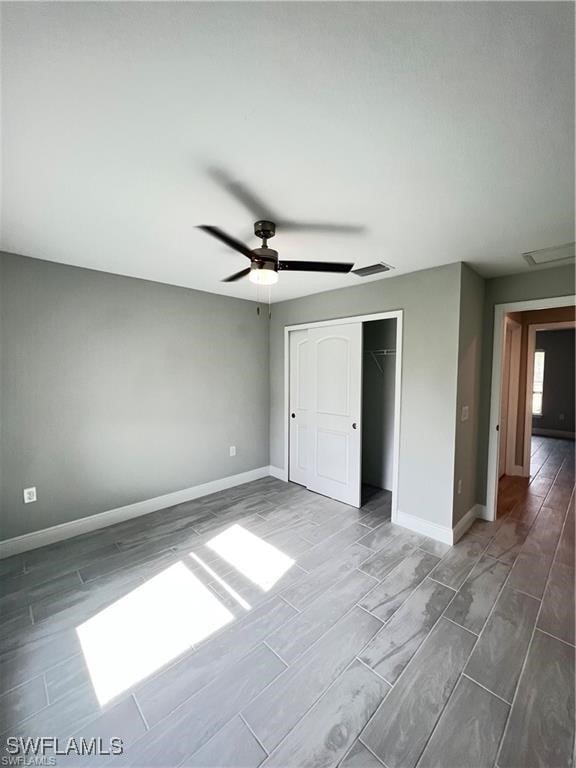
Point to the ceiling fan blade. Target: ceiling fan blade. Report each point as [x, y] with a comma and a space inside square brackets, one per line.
[237, 276]
[314, 266]
[319, 226]
[230, 241]
[243, 194]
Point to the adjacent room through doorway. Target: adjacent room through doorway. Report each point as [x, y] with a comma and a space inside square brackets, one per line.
[536, 426]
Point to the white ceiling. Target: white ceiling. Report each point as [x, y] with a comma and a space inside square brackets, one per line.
[446, 130]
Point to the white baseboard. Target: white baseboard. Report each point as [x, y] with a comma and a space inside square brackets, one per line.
[279, 473]
[112, 516]
[440, 532]
[425, 527]
[464, 523]
[482, 512]
[517, 470]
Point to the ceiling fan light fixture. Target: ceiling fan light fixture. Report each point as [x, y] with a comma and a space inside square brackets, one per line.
[263, 273]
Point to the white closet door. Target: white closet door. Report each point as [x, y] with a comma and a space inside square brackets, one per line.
[300, 396]
[335, 357]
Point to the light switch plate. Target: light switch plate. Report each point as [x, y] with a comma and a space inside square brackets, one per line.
[465, 413]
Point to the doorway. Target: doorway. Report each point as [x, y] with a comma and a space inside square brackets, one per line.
[516, 447]
[342, 396]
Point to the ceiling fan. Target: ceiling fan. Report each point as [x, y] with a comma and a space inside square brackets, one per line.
[264, 261]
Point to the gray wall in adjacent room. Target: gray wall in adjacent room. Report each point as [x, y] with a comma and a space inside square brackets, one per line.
[430, 300]
[378, 385]
[469, 375]
[558, 394]
[116, 390]
[537, 284]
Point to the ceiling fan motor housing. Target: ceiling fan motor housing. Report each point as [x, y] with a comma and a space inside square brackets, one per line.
[265, 255]
[264, 229]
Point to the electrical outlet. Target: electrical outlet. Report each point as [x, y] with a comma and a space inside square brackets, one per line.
[29, 495]
[465, 413]
[232, 450]
[459, 487]
[561, 417]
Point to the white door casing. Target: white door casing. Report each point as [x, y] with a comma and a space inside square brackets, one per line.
[335, 356]
[504, 400]
[300, 397]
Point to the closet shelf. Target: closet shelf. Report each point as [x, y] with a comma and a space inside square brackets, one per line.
[379, 353]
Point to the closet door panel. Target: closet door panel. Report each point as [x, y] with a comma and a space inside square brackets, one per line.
[300, 397]
[335, 366]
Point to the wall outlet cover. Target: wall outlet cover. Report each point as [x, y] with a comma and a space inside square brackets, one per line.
[232, 450]
[29, 495]
[465, 413]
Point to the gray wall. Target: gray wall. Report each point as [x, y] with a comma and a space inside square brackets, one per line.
[115, 390]
[539, 284]
[469, 372]
[378, 385]
[430, 300]
[558, 394]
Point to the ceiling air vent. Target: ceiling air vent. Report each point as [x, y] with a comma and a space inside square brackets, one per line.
[558, 254]
[373, 269]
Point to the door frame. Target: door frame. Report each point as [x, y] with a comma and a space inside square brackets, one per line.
[510, 466]
[397, 315]
[500, 310]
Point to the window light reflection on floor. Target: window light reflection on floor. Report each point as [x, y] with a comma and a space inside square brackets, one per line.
[147, 628]
[232, 592]
[258, 560]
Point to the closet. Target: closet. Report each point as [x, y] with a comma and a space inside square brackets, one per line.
[342, 407]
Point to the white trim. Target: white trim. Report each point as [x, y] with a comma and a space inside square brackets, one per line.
[500, 311]
[515, 470]
[513, 395]
[425, 527]
[397, 315]
[481, 512]
[465, 522]
[441, 532]
[112, 516]
[278, 473]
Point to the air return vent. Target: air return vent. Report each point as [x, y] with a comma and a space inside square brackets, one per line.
[373, 269]
[558, 254]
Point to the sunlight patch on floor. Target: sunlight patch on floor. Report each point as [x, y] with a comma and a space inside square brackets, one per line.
[147, 628]
[258, 560]
[232, 592]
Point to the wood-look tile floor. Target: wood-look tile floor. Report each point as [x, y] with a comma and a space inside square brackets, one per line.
[269, 626]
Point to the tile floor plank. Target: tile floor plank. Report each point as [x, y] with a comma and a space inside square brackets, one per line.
[498, 658]
[232, 747]
[393, 647]
[277, 709]
[162, 693]
[475, 598]
[401, 726]
[196, 721]
[301, 632]
[325, 734]
[540, 731]
[469, 730]
[453, 569]
[384, 600]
